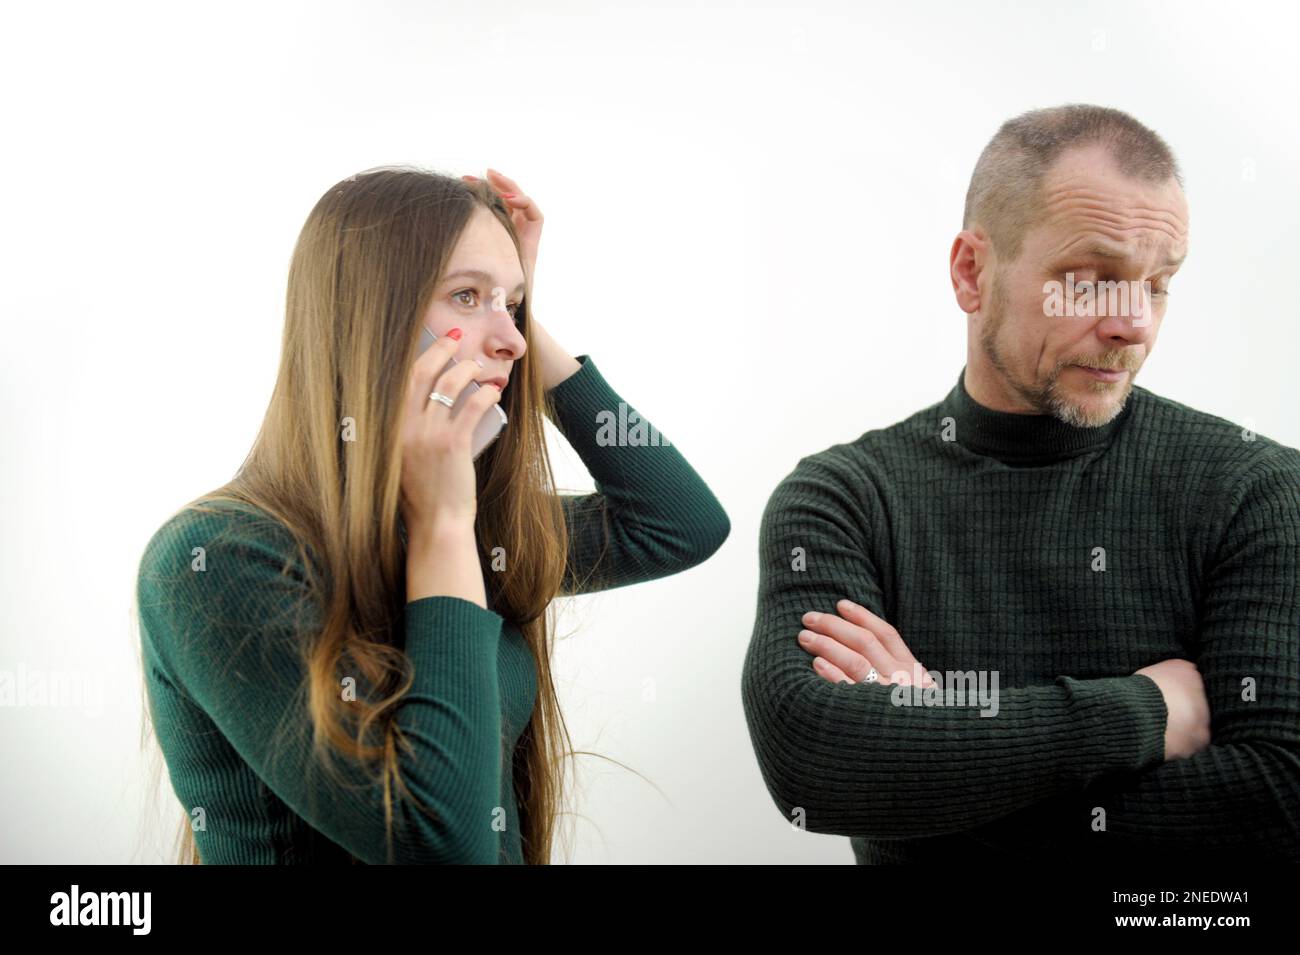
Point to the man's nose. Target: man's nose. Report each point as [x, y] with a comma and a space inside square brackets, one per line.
[1133, 325]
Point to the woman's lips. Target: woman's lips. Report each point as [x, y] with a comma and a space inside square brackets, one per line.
[500, 383]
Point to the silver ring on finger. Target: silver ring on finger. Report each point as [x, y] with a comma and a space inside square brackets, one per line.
[439, 396]
[872, 677]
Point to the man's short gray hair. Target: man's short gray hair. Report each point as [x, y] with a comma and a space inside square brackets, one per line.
[1004, 196]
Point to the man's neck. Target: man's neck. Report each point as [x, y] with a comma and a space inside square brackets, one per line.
[990, 389]
[1022, 437]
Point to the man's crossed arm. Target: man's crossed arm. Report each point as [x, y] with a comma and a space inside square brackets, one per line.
[839, 753]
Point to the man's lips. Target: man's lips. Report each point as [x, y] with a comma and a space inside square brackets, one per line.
[1107, 374]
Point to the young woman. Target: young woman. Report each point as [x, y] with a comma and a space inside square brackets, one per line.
[346, 648]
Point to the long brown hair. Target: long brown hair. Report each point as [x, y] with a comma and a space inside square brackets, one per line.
[362, 273]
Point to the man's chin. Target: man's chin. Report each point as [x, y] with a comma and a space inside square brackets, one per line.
[1092, 407]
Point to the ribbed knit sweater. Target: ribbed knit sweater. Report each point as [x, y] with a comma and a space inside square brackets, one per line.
[1064, 559]
[223, 672]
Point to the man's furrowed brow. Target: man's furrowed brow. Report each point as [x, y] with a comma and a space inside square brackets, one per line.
[1103, 250]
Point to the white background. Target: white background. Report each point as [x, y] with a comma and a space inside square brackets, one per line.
[749, 208]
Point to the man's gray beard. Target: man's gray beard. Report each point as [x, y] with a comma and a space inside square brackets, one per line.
[1076, 414]
[1050, 398]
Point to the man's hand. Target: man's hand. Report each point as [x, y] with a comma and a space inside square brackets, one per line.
[846, 647]
[1187, 730]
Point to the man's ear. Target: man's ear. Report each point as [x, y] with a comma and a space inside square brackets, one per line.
[966, 261]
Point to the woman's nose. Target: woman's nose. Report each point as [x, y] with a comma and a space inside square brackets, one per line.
[504, 339]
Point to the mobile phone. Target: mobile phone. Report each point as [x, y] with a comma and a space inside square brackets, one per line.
[493, 420]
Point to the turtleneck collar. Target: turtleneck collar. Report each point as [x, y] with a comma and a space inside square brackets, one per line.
[1023, 438]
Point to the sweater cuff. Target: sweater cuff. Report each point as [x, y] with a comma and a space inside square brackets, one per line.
[577, 400]
[453, 635]
[1122, 720]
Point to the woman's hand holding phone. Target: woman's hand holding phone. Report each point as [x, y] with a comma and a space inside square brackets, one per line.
[439, 498]
[437, 468]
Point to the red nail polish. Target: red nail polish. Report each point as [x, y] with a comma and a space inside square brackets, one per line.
[454, 333]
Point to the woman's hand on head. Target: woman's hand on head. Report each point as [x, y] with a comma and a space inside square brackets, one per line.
[525, 215]
[555, 363]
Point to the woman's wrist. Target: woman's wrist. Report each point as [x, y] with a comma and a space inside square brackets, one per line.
[554, 362]
[442, 560]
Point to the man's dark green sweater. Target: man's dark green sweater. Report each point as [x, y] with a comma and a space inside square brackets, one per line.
[1062, 559]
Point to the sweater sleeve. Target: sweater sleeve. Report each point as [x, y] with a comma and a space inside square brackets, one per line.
[228, 626]
[651, 515]
[855, 763]
[1241, 794]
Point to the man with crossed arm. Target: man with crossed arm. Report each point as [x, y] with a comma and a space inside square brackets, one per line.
[1118, 573]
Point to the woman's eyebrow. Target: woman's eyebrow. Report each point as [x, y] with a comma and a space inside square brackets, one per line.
[478, 274]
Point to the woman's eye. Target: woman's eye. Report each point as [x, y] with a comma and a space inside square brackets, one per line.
[464, 291]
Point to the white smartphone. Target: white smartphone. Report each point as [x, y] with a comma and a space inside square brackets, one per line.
[493, 420]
